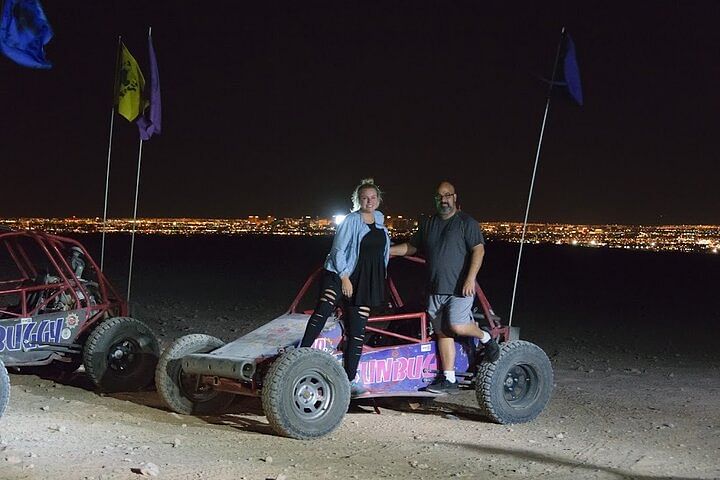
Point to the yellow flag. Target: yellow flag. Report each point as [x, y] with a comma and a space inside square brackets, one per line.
[130, 86]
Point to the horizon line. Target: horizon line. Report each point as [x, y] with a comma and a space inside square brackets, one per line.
[248, 217]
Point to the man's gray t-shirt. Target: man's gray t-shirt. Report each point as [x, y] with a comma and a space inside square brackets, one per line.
[447, 246]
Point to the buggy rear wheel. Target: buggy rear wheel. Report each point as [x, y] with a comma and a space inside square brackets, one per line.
[180, 391]
[4, 388]
[121, 354]
[305, 394]
[517, 387]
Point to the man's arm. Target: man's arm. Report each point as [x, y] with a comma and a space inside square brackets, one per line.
[402, 249]
[478, 252]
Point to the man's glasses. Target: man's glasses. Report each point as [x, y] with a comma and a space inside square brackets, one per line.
[444, 196]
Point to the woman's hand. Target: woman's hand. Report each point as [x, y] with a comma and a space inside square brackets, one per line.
[347, 288]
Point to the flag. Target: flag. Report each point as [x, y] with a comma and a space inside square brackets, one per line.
[24, 32]
[149, 123]
[129, 87]
[571, 71]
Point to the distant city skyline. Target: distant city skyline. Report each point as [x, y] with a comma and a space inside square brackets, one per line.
[680, 238]
[8, 219]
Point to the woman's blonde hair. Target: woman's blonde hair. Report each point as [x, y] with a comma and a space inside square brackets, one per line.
[364, 183]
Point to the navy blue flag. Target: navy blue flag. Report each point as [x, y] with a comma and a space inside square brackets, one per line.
[24, 32]
[572, 71]
[149, 123]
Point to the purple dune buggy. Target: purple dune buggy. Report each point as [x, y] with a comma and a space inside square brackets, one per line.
[4, 388]
[58, 311]
[305, 392]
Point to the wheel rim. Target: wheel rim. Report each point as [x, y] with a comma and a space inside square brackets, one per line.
[123, 356]
[520, 386]
[312, 395]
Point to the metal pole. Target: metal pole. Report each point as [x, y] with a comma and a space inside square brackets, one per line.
[132, 238]
[107, 189]
[532, 180]
[110, 139]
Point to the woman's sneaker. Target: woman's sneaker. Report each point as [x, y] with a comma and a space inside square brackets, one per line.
[357, 389]
[441, 385]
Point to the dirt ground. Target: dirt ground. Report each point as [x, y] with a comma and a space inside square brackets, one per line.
[612, 415]
[631, 400]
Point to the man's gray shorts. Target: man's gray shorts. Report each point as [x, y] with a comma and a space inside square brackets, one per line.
[446, 310]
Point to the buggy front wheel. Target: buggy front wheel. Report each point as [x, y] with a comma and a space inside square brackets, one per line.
[305, 394]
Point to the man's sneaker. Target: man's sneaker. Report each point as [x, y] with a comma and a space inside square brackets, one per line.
[441, 385]
[492, 351]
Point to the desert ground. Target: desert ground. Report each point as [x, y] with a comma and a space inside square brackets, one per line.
[631, 335]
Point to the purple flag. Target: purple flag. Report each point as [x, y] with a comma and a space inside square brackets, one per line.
[149, 123]
[572, 72]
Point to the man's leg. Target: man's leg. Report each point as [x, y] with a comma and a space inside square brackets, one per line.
[446, 350]
[462, 323]
[469, 330]
[445, 383]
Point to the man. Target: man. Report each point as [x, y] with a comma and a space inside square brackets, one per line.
[454, 248]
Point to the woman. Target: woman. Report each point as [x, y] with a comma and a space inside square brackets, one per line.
[355, 269]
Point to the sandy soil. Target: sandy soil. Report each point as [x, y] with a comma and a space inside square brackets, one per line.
[617, 412]
[611, 416]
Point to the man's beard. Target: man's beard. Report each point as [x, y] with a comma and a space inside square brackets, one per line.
[444, 208]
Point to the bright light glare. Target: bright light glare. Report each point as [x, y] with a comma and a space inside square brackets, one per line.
[339, 219]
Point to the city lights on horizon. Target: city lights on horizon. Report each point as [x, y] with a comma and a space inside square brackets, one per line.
[680, 238]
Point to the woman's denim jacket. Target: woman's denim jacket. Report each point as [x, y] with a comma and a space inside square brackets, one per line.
[345, 249]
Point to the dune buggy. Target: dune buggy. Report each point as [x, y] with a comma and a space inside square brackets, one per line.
[305, 391]
[58, 311]
[4, 388]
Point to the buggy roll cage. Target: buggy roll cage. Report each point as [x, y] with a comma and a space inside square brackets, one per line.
[31, 282]
[497, 330]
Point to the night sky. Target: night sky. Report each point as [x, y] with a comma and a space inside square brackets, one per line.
[281, 108]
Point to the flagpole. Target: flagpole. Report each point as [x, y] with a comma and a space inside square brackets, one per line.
[132, 238]
[532, 180]
[107, 189]
[107, 173]
[137, 181]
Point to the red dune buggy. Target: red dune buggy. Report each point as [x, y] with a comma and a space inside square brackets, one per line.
[59, 311]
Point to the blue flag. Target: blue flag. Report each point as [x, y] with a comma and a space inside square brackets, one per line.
[24, 32]
[149, 123]
[572, 71]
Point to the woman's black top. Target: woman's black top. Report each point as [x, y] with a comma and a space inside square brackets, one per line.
[368, 278]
